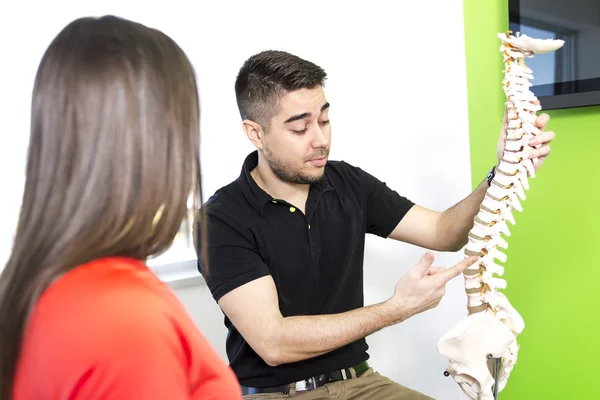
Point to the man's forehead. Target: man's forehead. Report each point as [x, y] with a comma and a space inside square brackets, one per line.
[304, 100]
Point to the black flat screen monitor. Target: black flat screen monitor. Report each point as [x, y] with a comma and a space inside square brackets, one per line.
[570, 76]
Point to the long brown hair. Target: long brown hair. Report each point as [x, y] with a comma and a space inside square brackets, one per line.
[113, 160]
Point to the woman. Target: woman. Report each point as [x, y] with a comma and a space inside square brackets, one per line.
[113, 159]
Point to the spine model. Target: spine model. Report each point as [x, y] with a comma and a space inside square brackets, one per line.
[491, 328]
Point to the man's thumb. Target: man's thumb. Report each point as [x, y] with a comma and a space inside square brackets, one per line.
[424, 263]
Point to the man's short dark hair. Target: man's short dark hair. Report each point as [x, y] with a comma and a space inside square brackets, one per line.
[266, 77]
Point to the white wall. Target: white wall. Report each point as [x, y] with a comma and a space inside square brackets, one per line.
[397, 88]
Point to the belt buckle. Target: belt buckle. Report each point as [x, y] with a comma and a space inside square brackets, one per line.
[344, 375]
[303, 385]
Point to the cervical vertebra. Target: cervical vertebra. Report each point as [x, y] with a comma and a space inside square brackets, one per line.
[492, 326]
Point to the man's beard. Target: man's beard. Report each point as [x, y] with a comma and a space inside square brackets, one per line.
[287, 174]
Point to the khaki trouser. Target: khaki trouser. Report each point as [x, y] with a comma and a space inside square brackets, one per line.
[369, 386]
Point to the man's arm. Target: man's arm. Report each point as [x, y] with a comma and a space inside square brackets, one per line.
[440, 231]
[391, 215]
[253, 309]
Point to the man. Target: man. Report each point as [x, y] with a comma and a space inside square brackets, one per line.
[285, 245]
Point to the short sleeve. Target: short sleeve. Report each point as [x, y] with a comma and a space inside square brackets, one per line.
[385, 208]
[232, 256]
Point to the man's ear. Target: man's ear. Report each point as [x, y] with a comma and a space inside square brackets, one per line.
[254, 132]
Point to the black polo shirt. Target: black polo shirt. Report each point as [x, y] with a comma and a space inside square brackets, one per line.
[315, 259]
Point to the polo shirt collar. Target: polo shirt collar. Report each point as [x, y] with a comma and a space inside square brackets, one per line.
[258, 197]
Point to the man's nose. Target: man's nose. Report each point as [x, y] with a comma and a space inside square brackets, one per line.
[321, 137]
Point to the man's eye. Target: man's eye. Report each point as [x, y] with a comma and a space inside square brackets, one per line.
[303, 131]
[324, 122]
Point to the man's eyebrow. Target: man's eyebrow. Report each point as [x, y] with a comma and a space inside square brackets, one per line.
[304, 115]
[296, 117]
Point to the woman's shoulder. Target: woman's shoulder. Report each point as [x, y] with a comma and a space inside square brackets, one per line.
[120, 297]
[109, 286]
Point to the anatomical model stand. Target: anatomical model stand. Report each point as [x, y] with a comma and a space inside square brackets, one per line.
[482, 348]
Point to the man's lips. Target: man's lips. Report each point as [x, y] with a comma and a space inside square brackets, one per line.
[319, 161]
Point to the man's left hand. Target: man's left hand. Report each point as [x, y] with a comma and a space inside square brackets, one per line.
[541, 141]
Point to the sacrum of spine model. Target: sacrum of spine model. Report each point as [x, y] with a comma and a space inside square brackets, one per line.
[491, 328]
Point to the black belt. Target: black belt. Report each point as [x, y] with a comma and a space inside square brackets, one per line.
[310, 383]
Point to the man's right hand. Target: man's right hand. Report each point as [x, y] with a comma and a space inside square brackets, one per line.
[423, 287]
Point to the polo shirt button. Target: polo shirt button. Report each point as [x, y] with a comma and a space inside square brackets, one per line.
[292, 209]
[274, 201]
[308, 226]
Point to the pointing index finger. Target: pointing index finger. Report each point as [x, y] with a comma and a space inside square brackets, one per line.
[453, 272]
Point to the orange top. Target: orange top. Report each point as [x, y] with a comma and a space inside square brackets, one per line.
[111, 329]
